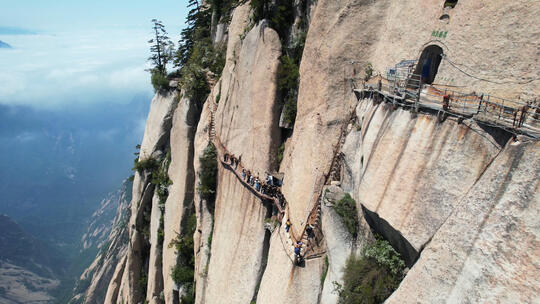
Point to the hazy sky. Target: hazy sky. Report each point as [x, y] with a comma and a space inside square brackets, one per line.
[74, 96]
[82, 52]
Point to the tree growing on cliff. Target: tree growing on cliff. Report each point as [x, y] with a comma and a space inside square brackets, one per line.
[161, 52]
[160, 47]
[198, 23]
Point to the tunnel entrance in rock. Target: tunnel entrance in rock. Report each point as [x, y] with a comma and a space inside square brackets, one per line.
[394, 237]
[429, 62]
[450, 3]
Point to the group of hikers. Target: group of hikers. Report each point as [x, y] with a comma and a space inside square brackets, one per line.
[271, 187]
[310, 232]
[231, 159]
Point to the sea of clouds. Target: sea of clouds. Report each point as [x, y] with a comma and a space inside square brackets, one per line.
[49, 70]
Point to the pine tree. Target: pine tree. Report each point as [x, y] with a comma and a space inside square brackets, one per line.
[198, 29]
[161, 47]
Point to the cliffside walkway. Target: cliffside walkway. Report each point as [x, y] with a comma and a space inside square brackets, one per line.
[315, 214]
[237, 169]
[514, 116]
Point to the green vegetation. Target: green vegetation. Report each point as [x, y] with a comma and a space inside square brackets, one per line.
[223, 8]
[149, 164]
[143, 281]
[161, 51]
[280, 154]
[346, 208]
[160, 82]
[385, 255]
[288, 74]
[372, 277]
[325, 272]
[280, 15]
[182, 273]
[368, 72]
[197, 59]
[208, 175]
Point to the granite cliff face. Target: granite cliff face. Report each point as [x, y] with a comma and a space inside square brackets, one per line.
[458, 199]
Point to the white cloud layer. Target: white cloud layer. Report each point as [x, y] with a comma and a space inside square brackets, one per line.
[74, 67]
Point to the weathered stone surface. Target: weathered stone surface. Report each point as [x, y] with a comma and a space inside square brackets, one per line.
[156, 136]
[412, 171]
[487, 250]
[158, 124]
[247, 124]
[180, 197]
[114, 286]
[155, 275]
[205, 221]
[476, 42]
[340, 243]
[113, 247]
[413, 174]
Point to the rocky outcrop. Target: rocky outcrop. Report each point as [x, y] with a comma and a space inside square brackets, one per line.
[411, 170]
[108, 233]
[155, 140]
[487, 249]
[247, 124]
[179, 203]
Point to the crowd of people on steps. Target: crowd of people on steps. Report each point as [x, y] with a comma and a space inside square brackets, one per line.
[271, 187]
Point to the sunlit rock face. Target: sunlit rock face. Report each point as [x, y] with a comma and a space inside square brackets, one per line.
[487, 248]
[458, 200]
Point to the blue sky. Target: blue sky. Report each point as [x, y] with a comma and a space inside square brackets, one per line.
[59, 15]
[83, 52]
[74, 97]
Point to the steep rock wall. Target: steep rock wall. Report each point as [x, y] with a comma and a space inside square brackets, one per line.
[475, 40]
[247, 124]
[205, 221]
[411, 170]
[410, 173]
[181, 173]
[487, 250]
[155, 138]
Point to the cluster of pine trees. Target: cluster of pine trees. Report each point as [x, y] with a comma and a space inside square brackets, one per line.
[196, 61]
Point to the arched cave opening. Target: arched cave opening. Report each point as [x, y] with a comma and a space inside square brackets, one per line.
[444, 17]
[450, 3]
[429, 62]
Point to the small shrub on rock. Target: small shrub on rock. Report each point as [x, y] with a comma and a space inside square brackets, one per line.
[346, 209]
[160, 82]
[208, 174]
[372, 277]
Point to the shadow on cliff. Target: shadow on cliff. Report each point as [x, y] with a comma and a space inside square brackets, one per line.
[394, 237]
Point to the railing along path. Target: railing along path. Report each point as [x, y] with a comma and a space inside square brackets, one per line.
[515, 116]
[314, 216]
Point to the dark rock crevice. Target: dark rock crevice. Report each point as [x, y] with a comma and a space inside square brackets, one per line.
[264, 257]
[393, 236]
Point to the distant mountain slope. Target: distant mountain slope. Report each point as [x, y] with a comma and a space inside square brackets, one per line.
[28, 267]
[108, 234]
[4, 45]
[19, 248]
